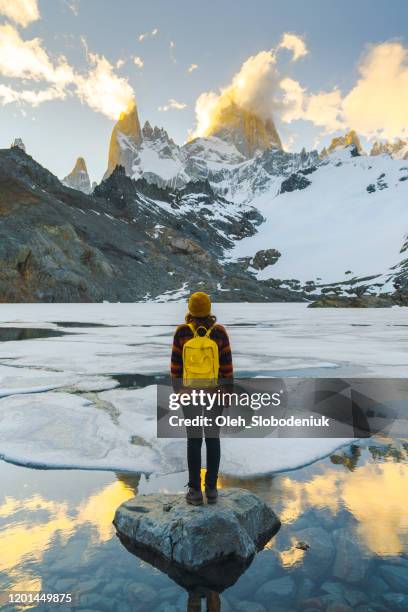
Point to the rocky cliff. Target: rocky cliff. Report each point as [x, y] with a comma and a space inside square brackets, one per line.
[130, 241]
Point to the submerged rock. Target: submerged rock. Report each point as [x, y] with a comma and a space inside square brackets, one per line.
[206, 546]
[349, 563]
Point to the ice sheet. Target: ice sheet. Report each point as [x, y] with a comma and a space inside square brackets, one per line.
[119, 433]
[81, 424]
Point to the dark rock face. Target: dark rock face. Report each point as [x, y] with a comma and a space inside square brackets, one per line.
[130, 240]
[295, 181]
[265, 258]
[364, 301]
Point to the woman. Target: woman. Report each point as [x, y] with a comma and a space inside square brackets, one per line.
[200, 322]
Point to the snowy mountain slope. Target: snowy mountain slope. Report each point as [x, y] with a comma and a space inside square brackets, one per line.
[281, 224]
[350, 221]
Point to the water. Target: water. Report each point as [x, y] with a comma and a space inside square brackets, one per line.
[344, 536]
[10, 334]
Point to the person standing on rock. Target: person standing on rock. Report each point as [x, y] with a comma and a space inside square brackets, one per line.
[201, 357]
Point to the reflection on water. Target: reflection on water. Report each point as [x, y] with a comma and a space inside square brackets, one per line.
[344, 536]
[8, 334]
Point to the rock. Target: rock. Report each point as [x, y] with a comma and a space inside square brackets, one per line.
[305, 589]
[265, 567]
[17, 142]
[113, 587]
[64, 585]
[93, 601]
[340, 591]
[166, 607]
[396, 601]
[279, 590]
[138, 592]
[91, 584]
[349, 564]
[209, 545]
[244, 606]
[320, 553]
[376, 585]
[295, 181]
[349, 140]
[78, 178]
[373, 606]
[338, 607]
[168, 593]
[395, 576]
[264, 258]
[341, 301]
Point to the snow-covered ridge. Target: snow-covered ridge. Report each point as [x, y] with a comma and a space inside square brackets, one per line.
[350, 221]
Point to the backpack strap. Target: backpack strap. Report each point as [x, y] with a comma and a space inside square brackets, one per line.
[195, 330]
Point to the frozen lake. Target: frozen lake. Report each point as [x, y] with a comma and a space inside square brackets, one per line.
[77, 380]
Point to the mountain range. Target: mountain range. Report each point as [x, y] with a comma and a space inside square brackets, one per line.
[231, 213]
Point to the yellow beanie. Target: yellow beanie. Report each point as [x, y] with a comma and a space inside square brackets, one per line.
[199, 304]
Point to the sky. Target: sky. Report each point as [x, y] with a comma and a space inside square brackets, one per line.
[69, 67]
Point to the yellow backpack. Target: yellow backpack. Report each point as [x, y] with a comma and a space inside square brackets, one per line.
[200, 360]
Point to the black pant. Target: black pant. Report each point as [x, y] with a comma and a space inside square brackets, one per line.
[194, 462]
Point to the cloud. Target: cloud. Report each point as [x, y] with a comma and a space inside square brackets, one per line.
[145, 35]
[376, 105]
[22, 12]
[26, 60]
[253, 88]
[102, 89]
[294, 43]
[192, 67]
[73, 6]
[138, 61]
[172, 104]
[321, 108]
[9, 95]
[120, 63]
[172, 46]
[379, 99]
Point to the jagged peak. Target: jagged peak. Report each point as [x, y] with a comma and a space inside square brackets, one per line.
[348, 139]
[78, 178]
[18, 142]
[80, 165]
[397, 148]
[156, 133]
[249, 132]
[125, 139]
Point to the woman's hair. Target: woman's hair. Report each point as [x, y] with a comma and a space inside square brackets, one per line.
[206, 322]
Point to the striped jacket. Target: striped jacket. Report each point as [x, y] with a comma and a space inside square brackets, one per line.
[218, 334]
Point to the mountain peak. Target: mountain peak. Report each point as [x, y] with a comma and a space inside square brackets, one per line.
[17, 142]
[351, 138]
[247, 131]
[126, 137]
[397, 149]
[78, 178]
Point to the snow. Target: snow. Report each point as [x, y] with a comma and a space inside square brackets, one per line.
[334, 224]
[151, 162]
[77, 418]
